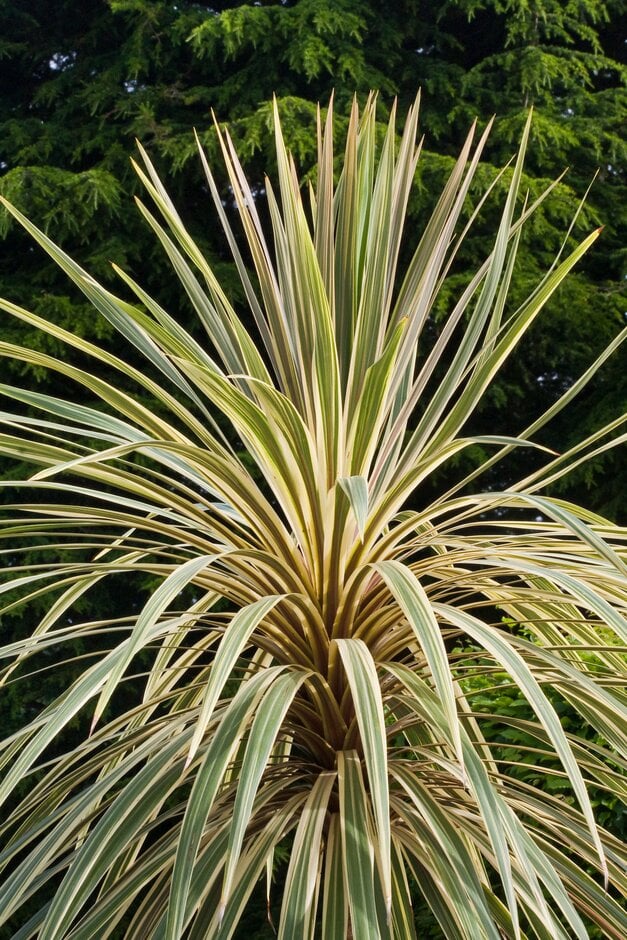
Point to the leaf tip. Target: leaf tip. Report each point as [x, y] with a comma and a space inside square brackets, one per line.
[190, 756]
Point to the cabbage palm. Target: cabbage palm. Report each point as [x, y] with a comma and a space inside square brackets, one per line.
[306, 665]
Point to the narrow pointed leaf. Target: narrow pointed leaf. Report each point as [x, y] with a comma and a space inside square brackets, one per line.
[357, 848]
[153, 610]
[263, 739]
[356, 489]
[300, 895]
[416, 606]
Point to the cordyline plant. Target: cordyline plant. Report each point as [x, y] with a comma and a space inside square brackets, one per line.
[313, 634]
